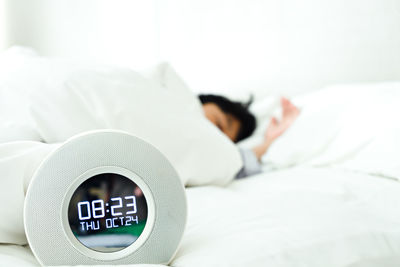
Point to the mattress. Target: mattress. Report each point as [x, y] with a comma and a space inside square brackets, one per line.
[293, 217]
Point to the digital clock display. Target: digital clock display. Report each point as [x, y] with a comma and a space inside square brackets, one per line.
[107, 212]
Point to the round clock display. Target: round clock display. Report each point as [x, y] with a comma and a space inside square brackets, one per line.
[107, 212]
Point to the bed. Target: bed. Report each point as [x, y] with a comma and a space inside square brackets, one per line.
[293, 217]
[329, 194]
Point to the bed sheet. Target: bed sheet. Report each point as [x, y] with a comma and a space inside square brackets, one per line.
[294, 217]
[21, 256]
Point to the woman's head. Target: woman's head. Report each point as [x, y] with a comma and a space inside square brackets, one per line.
[232, 118]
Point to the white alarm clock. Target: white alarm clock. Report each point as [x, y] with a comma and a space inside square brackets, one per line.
[105, 197]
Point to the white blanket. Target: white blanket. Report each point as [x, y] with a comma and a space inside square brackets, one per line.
[297, 217]
[52, 100]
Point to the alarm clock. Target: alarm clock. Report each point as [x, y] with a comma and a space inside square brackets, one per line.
[105, 197]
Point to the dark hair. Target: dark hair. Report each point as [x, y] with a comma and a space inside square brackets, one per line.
[237, 109]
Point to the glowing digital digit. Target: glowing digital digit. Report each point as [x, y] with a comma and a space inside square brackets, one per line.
[87, 204]
[113, 207]
[132, 204]
[95, 209]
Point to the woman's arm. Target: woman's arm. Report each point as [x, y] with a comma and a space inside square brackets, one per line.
[252, 158]
[261, 149]
[276, 128]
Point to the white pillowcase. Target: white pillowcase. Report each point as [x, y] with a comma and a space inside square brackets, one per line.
[352, 126]
[168, 117]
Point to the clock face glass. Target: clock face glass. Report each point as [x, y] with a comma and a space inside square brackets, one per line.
[107, 212]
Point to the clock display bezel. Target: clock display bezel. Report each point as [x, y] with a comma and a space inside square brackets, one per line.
[120, 253]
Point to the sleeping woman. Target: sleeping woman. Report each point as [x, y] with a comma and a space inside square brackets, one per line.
[235, 120]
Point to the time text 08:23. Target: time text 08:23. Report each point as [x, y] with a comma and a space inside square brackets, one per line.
[97, 209]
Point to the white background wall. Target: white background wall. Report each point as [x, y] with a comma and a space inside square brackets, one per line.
[240, 46]
[3, 27]
[117, 31]
[281, 44]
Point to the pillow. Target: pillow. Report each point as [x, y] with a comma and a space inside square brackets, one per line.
[21, 72]
[14, 118]
[163, 112]
[352, 126]
[67, 98]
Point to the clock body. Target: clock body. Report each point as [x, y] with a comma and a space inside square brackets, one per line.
[105, 197]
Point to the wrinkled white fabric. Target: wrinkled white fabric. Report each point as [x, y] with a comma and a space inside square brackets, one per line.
[121, 99]
[352, 126]
[291, 218]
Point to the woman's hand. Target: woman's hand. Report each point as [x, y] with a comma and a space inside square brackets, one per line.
[276, 128]
[289, 114]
